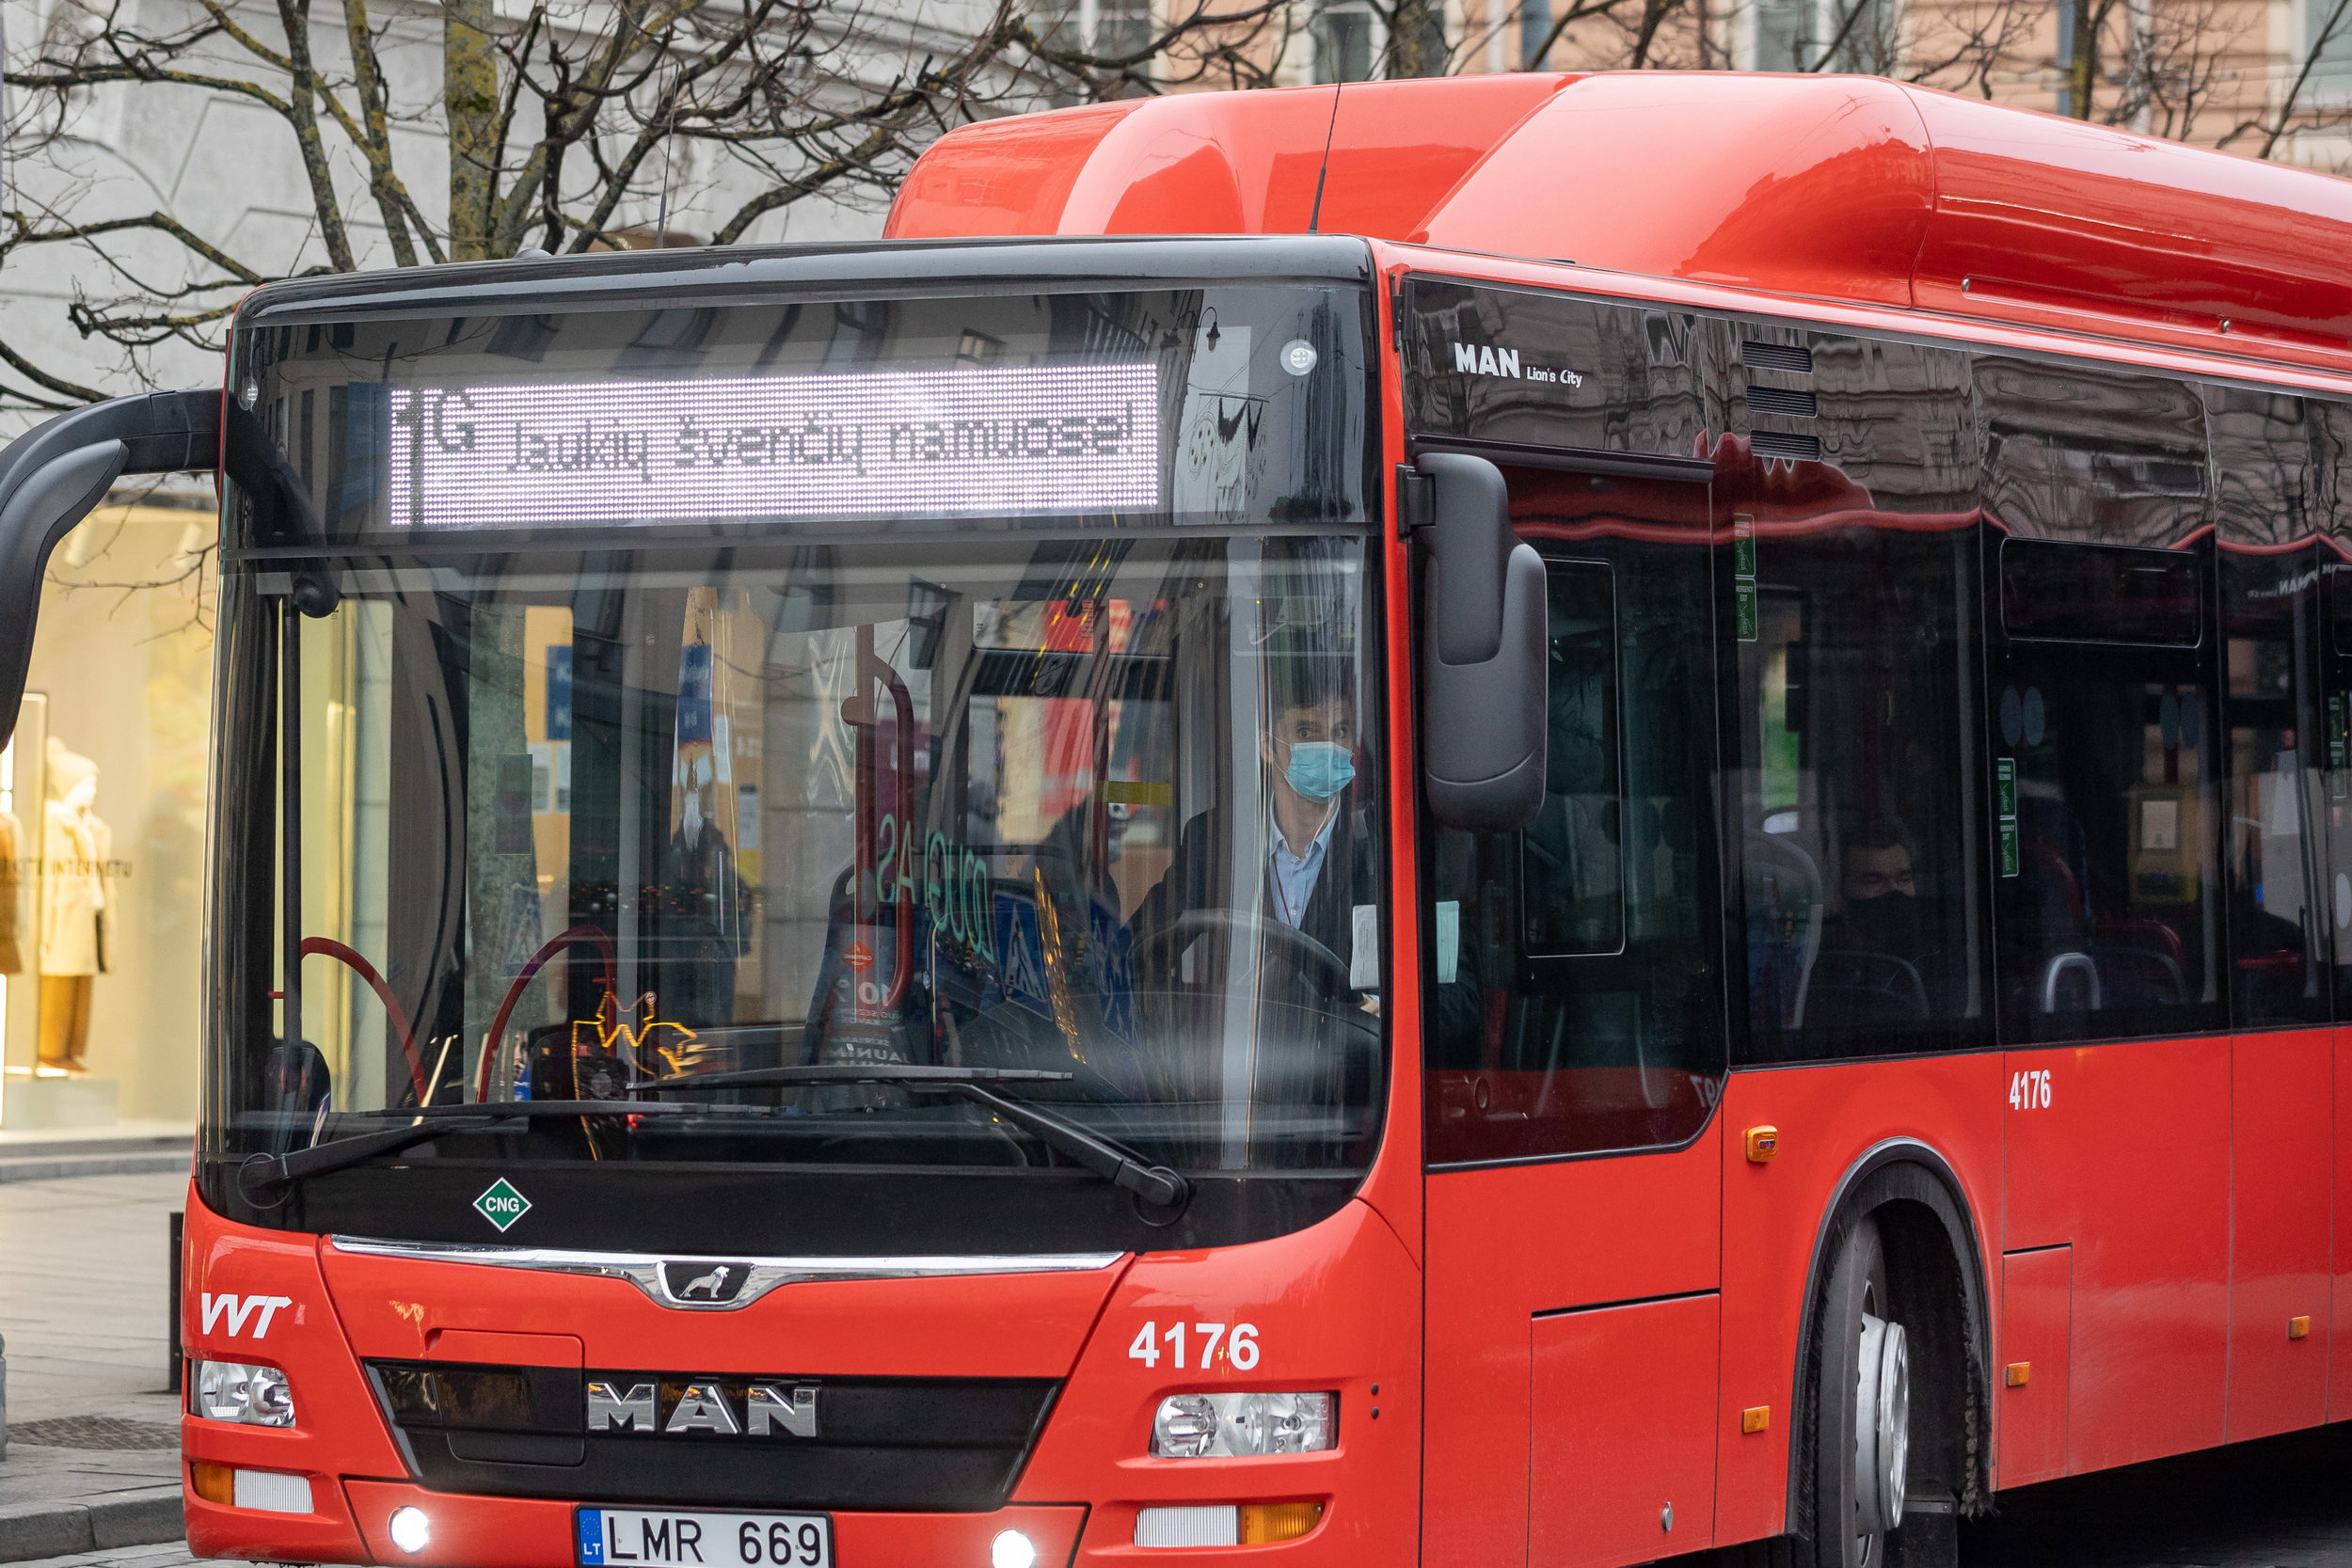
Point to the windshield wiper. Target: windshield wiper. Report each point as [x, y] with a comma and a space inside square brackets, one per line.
[263, 1175]
[1154, 1184]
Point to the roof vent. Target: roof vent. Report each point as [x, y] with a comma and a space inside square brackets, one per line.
[1797, 448]
[1782, 400]
[1793, 357]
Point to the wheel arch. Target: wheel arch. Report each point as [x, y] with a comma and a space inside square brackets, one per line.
[1937, 1267]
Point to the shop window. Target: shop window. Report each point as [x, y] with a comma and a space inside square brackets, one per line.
[101, 830]
[1575, 1001]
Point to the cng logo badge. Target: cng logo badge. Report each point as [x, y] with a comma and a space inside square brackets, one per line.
[500, 1204]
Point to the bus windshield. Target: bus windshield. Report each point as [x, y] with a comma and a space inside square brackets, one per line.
[1087, 808]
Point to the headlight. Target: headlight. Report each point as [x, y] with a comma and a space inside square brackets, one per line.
[251, 1396]
[1219, 1426]
[411, 1530]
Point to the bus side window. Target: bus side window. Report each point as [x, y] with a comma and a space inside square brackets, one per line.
[2103, 696]
[1572, 858]
[2275, 581]
[1574, 1002]
[1853, 637]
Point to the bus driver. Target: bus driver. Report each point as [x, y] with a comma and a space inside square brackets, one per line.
[1318, 875]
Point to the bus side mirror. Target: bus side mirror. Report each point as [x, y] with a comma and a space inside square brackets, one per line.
[1483, 666]
[55, 473]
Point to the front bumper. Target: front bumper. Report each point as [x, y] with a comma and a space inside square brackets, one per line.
[1331, 1306]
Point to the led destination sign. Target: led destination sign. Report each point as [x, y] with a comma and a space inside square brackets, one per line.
[1054, 437]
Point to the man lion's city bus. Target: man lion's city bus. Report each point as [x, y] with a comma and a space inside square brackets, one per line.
[1537, 819]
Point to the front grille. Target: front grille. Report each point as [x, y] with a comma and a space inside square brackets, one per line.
[893, 1443]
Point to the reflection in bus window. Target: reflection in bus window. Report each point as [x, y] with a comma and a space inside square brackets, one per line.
[2273, 852]
[2103, 705]
[1858, 831]
[2276, 459]
[1099, 812]
[1574, 876]
[1851, 625]
[1574, 996]
[2110, 920]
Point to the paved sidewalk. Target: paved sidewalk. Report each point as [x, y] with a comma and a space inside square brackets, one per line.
[135, 1148]
[173, 1554]
[84, 1271]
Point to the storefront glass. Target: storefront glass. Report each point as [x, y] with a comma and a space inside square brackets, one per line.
[102, 831]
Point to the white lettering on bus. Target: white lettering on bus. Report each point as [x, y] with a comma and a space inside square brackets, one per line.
[1240, 1345]
[239, 1308]
[1472, 360]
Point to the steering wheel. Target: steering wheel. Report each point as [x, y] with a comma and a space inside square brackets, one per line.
[1296, 947]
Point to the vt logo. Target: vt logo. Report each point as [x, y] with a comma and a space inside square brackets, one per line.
[239, 1311]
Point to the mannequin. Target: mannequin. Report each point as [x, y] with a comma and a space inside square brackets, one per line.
[11, 846]
[75, 910]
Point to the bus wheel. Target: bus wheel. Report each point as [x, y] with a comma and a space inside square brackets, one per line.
[1862, 1403]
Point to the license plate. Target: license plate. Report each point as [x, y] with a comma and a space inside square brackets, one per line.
[622, 1537]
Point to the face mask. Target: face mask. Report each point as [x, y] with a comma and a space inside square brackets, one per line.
[1320, 768]
[1889, 922]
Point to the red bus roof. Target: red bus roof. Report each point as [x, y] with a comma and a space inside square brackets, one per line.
[1838, 187]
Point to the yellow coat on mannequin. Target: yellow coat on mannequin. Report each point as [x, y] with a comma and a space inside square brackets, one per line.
[75, 906]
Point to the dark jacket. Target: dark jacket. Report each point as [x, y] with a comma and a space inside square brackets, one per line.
[1201, 875]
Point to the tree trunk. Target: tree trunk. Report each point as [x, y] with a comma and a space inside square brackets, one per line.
[2082, 69]
[1417, 38]
[470, 97]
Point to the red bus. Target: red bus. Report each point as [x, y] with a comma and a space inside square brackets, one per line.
[1534, 819]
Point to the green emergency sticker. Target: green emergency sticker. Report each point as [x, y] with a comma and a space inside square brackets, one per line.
[2004, 808]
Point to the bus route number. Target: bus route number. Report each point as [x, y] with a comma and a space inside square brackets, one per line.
[2029, 1091]
[1239, 1340]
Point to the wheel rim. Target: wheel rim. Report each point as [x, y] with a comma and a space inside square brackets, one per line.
[1882, 1429]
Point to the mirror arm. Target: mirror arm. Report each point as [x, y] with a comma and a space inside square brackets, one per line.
[1416, 500]
[55, 473]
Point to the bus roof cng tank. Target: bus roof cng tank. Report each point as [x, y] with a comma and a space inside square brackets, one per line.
[1848, 188]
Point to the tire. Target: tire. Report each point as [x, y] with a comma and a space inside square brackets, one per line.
[1859, 1450]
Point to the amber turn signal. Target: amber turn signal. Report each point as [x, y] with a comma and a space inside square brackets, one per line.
[1264, 1524]
[2017, 1373]
[2298, 1329]
[1763, 1143]
[215, 1483]
[1755, 1419]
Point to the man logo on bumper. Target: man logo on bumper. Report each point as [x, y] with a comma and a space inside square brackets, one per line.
[716, 1406]
[699, 1282]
